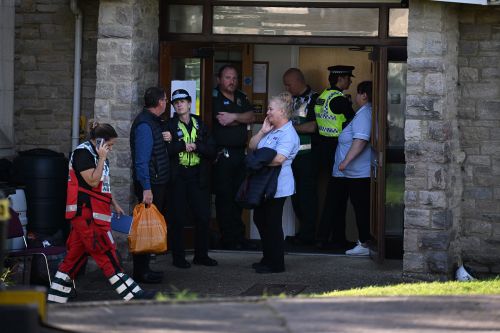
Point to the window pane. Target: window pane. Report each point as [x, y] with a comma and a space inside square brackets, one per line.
[295, 21]
[185, 19]
[398, 22]
[330, 1]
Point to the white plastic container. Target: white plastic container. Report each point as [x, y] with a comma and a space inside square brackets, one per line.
[18, 204]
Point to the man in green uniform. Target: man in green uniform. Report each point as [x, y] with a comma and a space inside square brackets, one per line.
[333, 112]
[304, 169]
[232, 113]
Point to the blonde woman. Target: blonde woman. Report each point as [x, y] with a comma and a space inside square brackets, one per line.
[277, 133]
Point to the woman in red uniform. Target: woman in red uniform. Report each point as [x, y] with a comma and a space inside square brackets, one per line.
[88, 205]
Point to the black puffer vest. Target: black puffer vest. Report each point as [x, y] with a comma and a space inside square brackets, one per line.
[159, 168]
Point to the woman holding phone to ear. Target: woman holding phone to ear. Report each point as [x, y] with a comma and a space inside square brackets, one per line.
[88, 205]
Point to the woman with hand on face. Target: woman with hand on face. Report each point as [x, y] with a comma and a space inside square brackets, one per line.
[277, 133]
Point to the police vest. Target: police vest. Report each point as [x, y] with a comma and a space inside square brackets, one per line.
[188, 158]
[100, 196]
[329, 123]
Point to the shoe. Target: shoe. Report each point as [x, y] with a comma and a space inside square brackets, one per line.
[268, 270]
[146, 294]
[181, 263]
[358, 250]
[147, 277]
[207, 261]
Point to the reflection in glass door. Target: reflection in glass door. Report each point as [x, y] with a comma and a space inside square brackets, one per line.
[395, 159]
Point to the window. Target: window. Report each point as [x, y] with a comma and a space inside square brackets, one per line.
[295, 21]
[185, 19]
[398, 22]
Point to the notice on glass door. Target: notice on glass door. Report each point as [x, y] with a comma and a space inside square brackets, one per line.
[260, 78]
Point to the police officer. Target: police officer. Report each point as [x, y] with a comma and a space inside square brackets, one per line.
[190, 150]
[304, 170]
[232, 112]
[333, 112]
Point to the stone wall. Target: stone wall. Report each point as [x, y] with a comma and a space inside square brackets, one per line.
[479, 120]
[433, 157]
[127, 63]
[44, 59]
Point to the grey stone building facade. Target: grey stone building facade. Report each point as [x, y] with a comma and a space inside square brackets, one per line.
[452, 129]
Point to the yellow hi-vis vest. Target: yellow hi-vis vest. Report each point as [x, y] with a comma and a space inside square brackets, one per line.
[329, 123]
[189, 159]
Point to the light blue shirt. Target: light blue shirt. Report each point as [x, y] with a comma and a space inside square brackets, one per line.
[286, 142]
[359, 128]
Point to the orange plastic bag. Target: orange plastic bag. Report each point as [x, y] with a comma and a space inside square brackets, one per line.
[148, 233]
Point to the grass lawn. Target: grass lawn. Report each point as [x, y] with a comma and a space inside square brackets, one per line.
[484, 287]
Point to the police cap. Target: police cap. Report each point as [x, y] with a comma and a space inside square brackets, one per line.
[180, 94]
[341, 70]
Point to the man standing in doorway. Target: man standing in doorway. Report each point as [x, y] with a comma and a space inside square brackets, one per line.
[150, 167]
[304, 169]
[333, 112]
[232, 113]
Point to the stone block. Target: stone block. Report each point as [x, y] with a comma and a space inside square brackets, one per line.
[419, 218]
[433, 44]
[468, 48]
[414, 129]
[440, 131]
[415, 183]
[436, 178]
[466, 108]
[442, 219]
[416, 40]
[115, 31]
[468, 74]
[421, 106]
[105, 90]
[483, 61]
[475, 31]
[433, 199]
[411, 198]
[414, 262]
[435, 64]
[418, 170]
[478, 193]
[43, 8]
[490, 148]
[482, 160]
[438, 262]
[487, 206]
[488, 109]
[434, 240]
[490, 73]
[476, 227]
[434, 84]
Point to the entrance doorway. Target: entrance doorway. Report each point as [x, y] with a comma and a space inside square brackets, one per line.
[199, 62]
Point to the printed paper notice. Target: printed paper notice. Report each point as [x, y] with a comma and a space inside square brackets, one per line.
[190, 86]
[260, 78]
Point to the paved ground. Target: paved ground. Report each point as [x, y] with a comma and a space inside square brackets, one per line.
[220, 307]
[234, 276]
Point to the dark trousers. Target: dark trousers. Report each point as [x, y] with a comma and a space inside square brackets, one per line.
[268, 220]
[305, 198]
[141, 261]
[339, 191]
[188, 198]
[229, 173]
[325, 158]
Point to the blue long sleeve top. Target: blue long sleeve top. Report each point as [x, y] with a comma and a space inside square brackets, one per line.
[143, 150]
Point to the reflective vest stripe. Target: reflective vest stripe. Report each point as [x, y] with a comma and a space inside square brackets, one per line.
[71, 208]
[102, 217]
[185, 158]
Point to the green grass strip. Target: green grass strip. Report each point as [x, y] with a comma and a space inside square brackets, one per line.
[484, 287]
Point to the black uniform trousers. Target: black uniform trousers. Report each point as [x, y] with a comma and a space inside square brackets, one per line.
[325, 160]
[141, 261]
[305, 199]
[188, 198]
[268, 220]
[340, 189]
[229, 173]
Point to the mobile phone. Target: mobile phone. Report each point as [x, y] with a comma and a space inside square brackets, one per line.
[99, 142]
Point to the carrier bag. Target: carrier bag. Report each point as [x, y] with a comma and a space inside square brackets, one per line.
[148, 233]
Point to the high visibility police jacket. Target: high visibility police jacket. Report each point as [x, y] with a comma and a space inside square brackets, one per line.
[329, 121]
[100, 196]
[205, 147]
